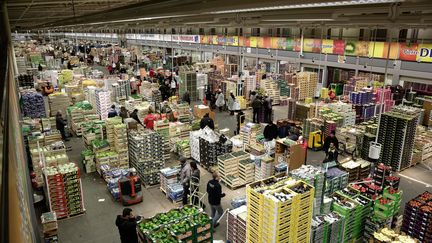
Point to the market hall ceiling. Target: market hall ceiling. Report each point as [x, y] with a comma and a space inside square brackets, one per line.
[139, 14]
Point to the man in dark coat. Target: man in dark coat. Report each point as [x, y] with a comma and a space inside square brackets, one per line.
[206, 121]
[127, 225]
[214, 190]
[270, 131]
[60, 124]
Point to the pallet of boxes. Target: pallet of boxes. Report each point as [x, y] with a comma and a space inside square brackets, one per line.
[49, 227]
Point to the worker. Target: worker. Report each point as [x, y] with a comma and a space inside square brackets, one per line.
[268, 107]
[331, 139]
[206, 121]
[60, 125]
[220, 100]
[127, 225]
[173, 84]
[270, 131]
[48, 89]
[208, 96]
[134, 115]
[195, 181]
[331, 94]
[123, 113]
[252, 96]
[185, 175]
[332, 154]
[240, 121]
[256, 107]
[149, 120]
[112, 112]
[230, 103]
[215, 194]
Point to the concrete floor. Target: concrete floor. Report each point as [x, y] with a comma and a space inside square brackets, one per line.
[97, 224]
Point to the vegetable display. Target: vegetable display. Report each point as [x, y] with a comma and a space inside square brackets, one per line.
[33, 104]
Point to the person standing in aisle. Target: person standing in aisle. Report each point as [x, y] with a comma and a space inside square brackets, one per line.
[220, 100]
[270, 131]
[185, 175]
[173, 84]
[149, 119]
[268, 107]
[256, 107]
[195, 181]
[331, 139]
[231, 102]
[206, 121]
[112, 112]
[208, 96]
[60, 124]
[214, 190]
[134, 115]
[123, 113]
[127, 224]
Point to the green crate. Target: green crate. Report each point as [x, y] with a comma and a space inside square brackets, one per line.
[397, 197]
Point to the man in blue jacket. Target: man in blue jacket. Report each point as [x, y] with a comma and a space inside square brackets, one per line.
[214, 190]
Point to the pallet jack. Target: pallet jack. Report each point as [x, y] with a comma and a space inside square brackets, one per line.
[316, 140]
[130, 189]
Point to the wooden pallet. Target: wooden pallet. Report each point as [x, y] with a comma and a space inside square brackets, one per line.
[72, 216]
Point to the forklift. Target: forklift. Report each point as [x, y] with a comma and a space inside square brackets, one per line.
[316, 140]
[130, 189]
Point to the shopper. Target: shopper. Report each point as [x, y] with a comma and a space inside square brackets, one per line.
[186, 97]
[270, 131]
[208, 96]
[173, 84]
[134, 115]
[220, 100]
[123, 113]
[256, 107]
[231, 103]
[332, 154]
[252, 96]
[268, 108]
[330, 139]
[61, 124]
[206, 121]
[127, 224]
[185, 175]
[149, 119]
[214, 190]
[112, 112]
[195, 181]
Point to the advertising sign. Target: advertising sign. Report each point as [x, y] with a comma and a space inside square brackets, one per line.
[362, 48]
[338, 47]
[424, 53]
[312, 45]
[327, 46]
[186, 38]
[350, 48]
[408, 52]
[278, 43]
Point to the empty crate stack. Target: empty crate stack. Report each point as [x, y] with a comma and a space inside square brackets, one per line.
[103, 103]
[228, 166]
[146, 155]
[246, 171]
[397, 130]
[279, 210]
[236, 224]
[64, 190]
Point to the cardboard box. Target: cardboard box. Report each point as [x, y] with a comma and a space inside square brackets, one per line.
[200, 110]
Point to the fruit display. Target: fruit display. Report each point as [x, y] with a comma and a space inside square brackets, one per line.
[185, 224]
[417, 217]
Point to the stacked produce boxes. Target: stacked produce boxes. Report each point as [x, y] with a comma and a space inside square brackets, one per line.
[186, 224]
[346, 207]
[121, 145]
[396, 134]
[168, 176]
[282, 214]
[336, 179]
[64, 190]
[313, 176]
[307, 83]
[58, 102]
[246, 171]
[146, 155]
[246, 133]
[236, 225]
[417, 217]
[264, 167]
[162, 127]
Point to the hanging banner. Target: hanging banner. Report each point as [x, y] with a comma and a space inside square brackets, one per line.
[253, 41]
[338, 47]
[376, 49]
[350, 48]
[214, 40]
[278, 43]
[408, 52]
[204, 39]
[221, 40]
[242, 41]
[186, 38]
[266, 42]
[297, 44]
[231, 40]
[393, 52]
[312, 45]
[290, 44]
[362, 48]
[260, 42]
[424, 53]
[327, 46]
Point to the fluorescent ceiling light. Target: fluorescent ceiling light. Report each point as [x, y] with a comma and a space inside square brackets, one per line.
[308, 5]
